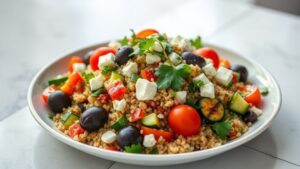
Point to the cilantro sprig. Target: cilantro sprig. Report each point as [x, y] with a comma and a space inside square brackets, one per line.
[197, 42]
[222, 129]
[134, 148]
[172, 77]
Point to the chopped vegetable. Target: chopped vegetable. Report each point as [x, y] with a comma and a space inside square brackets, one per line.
[236, 77]
[222, 129]
[69, 118]
[238, 104]
[151, 120]
[74, 79]
[117, 91]
[168, 136]
[75, 130]
[57, 81]
[252, 95]
[225, 63]
[145, 33]
[134, 77]
[197, 42]
[121, 123]
[209, 53]
[137, 115]
[108, 69]
[212, 109]
[124, 41]
[94, 59]
[134, 148]
[264, 91]
[88, 76]
[115, 77]
[47, 92]
[73, 60]
[149, 75]
[97, 92]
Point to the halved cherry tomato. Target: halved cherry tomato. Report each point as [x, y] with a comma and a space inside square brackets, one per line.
[225, 63]
[74, 79]
[75, 130]
[137, 115]
[47, 92]
[117, 90]
[209, 54]
[254, 96]
[94, 59]
[149, 75]
[184, 120]
[145, 33]
[168, 136]
[74, 59]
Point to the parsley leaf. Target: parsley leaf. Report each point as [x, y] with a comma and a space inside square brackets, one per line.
[197, 42]
[88, 76]
[97, 92]
[192, 103]
[124, 41]
[264, 91]
[195, 85]
[222, 129]
[108, 69]
[146, 44]
[173, 77]
[134, 148]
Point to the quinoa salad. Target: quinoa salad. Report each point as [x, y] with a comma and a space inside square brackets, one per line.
[153, 94]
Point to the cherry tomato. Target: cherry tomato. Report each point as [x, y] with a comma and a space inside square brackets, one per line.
[137, 115]
[168, 136]
[74, 59]
[75, 130]
[209, 54]
[47, 92]
[184, 120]
[117, 91]
[254, 96]
[145, 33]
[94, 59]
[74, 79]
[225, 63]
[149, 75]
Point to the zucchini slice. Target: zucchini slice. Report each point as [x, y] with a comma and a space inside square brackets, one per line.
[238, 104]
[69, 118]
[212, 109]
[150, 120]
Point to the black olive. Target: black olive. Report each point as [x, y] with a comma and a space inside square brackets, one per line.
[123, 55]
[128, 136]
[57, 101]
[242, 70]
[93, 118]
[250, 116]
[191, 58]
[82, 106]
[86, 57]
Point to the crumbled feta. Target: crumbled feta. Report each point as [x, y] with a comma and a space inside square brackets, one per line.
[149, 140]
[180, 96]
[224, 76]
[106, 60]
[130, 68]
[119, 105]
[208, 61]
[181, 43]
[114, 44]
[209, 70]
[150, 59]
[175, 58]
[145, 90]
[160, 116]
[207, 90]
[203, 78]
[79, 67]
[96, 83]
[256, 110]
[158, 46]
[109, 137]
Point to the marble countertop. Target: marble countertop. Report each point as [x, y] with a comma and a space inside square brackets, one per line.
[271, 38]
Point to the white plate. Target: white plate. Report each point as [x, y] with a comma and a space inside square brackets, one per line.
[257, 74]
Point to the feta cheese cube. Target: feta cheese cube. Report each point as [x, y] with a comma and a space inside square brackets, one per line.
[150, 59]
[256, 110]
[175, 58]
[158, 46]
[114, 44]
[145, 90]
[119, 105]
[130, 68]
[160, 116]
[207, 90]
[180, 96]
[109, 137]
[208, 61]
[79, 67]
[181, 43]
[224, 76]
[96, 83]
[209, 70]
[203, 78]
[106, 60]
[149, 140]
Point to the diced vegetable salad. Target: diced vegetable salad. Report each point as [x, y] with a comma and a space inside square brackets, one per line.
[154, 94]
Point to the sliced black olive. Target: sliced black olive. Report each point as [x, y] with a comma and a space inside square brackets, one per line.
[93, 118]
[242, 70]
[128, 136]
[122, 56]
[191, 58]
[57, 101]
[250, 116]
[86, 57]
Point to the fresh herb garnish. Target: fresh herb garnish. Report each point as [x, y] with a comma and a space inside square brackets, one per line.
[97, 92]
[108, 69]
[172, 77]
[192, 103]
[264, 91]
[222, 129]
[124, 41]
[154, 151]
[57, 81]
[50, 116]
[197, 42]
[88, 76]
[195, 85]
[134, 77]
[145, 45]
[134, 148]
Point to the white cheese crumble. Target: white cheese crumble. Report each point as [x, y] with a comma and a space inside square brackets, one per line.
[106, 60]
[145, 90]
[224, 76]
[207, 90]
[119, 105]
[96, 82]
[130, 68]
[109, 137]
[180, 96]
[114, 44]
[209, 70]
[202, 77]
[150, 59]
[79, 67]
[149, 140]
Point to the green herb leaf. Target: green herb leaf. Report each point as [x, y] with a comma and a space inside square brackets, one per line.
[192, 103]
[121, 123]
[154, 151]
[88, 76]
[183, 70]
[50, 116]
[124, 41]
[195, 85]
[134, 148]
[57, 81]
[264, 91]
[222, 129]
[134, 77]
[108, 69]
[146, 44]
[197, 42]
[97, 92]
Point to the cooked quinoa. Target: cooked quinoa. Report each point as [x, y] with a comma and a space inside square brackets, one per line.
[153, 94]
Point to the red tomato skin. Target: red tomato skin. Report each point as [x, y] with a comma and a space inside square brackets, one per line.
[184, 120]
[254, 97]
[137, 115]
[94, 59]
[117, 91]
[168, 136]
[74, 79]
[112, 148]
[145, 33]
[75, 129]
[47, 92]
[74, 59]
[149, 75]
[225, 63]
[209, 54]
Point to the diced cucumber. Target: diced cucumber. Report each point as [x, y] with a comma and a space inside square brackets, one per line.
[212, 109]
[150, 120]
[121, 123]
[238, 104]
[57, 81]
[115, 76]
[69, 119]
